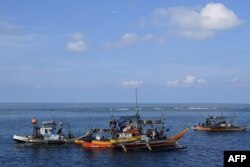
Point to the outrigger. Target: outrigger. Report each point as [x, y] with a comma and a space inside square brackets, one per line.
[48, 133]
[163, 143]
[218, 124]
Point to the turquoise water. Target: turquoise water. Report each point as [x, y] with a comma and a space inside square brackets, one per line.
[203, 148]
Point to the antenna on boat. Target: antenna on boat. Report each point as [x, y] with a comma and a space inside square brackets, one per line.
[233, 118]
[162, 118]
[111, 111]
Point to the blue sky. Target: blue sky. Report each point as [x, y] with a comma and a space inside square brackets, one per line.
[99, 51]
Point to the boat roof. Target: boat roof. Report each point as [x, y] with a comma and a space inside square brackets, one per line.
[48, 122]
[218, 117]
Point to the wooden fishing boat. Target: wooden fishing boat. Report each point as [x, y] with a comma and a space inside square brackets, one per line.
[131, 133]
[226, 128]
[219, 124]
[167, 143]
[48, 133]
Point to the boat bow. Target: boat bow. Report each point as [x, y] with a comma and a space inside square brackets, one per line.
[179, 135]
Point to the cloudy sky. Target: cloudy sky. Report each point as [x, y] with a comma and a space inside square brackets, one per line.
[99, 51]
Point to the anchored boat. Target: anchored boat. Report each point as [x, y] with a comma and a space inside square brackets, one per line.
[155, 144]
[48, 133]
[132, 133]
[218, 124]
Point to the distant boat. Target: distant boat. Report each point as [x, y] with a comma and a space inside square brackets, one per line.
[49, 133]
[219, 124]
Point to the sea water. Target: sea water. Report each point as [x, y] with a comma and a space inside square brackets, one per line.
[203, 148]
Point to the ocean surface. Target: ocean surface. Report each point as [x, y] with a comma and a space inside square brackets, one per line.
[203, 148]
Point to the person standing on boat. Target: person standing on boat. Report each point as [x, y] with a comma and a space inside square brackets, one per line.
[36, 129]
[153, 134]
[60, 129]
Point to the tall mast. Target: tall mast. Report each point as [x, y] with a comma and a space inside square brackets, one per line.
[137, 110]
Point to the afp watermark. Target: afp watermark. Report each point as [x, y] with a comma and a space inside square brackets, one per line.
[236, 158]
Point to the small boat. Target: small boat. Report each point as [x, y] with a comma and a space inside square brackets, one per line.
[48, 133]
[219, 124]
[160, 143]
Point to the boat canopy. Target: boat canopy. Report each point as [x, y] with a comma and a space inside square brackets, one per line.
[48, 123]
[215, 120]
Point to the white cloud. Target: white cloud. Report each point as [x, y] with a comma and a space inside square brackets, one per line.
[131, 38]
[196, 24]
[173, 83]
[132, 83]
[188, 81]
[128, 38]
[77, 44]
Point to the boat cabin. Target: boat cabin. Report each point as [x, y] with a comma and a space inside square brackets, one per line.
[214, 120]
[47, 128]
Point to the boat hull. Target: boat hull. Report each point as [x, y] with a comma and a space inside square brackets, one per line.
[21, 139]
[126, 140]
[96, 144]
[219, 129]
[166, 144]
[30, 140]
[78, 141]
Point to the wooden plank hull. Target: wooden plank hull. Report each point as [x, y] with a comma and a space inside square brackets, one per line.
[96, 144]
[169, 143]
[219, 129]
[128, 140]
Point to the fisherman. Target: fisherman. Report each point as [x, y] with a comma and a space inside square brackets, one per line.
[60, 129]
[112, 124]
[36, 129]
[88, 136]
[157, 135]
[153, 134]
